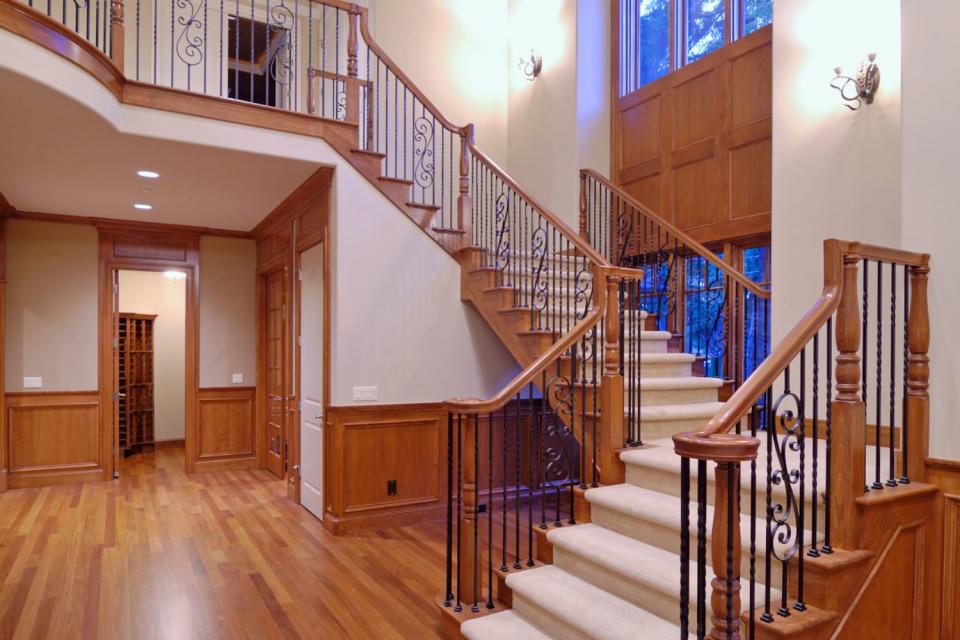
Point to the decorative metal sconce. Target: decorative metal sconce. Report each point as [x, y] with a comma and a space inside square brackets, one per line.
[531, 68]
[861, 89]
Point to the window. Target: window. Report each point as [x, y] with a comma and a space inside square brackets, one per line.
[756, 266]
[658, 36]
[704, 27]
[756, 14]
[704, 305]
[644, 41]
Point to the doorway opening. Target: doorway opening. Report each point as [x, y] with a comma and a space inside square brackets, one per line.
[149, 364]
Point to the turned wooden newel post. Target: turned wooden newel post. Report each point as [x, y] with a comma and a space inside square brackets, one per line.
[916, 438]
[464, 212]
[849, 420]
[468, 573]
[611, 437]
[725, 554]
[116, 33]
[352, 86]
[583, 207]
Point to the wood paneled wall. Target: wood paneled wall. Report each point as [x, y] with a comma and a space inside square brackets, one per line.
[370, 445]
[54, 438]
[695, 145]
[227, 432]
[943, 584]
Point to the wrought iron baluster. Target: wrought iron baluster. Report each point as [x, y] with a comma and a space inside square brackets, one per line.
[826, 548]
[684, 547]
[448, 597]
[701, 548]
[904, 429]
[877, 441]
[490, 507]
[892, 478]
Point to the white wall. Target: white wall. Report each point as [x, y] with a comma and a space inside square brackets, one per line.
[150, 292]
[397, 319]
[836, 173]
[930, 140]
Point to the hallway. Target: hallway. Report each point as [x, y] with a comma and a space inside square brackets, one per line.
[159, 554]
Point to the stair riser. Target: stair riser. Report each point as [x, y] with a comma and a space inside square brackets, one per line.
[653, 429]
[396, 191]
[664, 481]
[664, 605]
[546, 621]
[650, 397]
[647, 370]
[668, 538]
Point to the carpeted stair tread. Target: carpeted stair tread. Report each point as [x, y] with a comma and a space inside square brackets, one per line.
[592, 612]
[506, 625]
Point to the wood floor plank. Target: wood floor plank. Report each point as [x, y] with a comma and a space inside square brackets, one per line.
[158, 554]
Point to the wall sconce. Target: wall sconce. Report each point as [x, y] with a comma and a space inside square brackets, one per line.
[531, 68]
[860, 89]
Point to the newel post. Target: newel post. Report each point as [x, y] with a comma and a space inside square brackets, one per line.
[611, 437]
[468, 557]
[464, 210]
[584, 233]
[917, 432]
[116, 33]
[725, 553]
[849, 420]
[353, 86]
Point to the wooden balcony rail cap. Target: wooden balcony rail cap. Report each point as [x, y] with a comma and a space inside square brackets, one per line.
[719, 447]
[698, 248]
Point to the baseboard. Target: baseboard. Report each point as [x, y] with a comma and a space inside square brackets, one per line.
[382, 519]
[27, 480]
[226, 464]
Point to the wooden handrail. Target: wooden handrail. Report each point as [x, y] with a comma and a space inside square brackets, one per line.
[714, 438]
[395, 69]
[574, 237]
[697, 248]
[601, 274]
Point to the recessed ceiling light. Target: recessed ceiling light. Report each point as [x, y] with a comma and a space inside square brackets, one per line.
[142, 206]
[174, 276]
[145, 173]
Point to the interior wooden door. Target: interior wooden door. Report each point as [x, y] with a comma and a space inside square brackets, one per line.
[277, 366]
[311, 379]
[115, 313]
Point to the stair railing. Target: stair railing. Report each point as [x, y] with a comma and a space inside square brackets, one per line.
[515, 461]
[716, 312]
[806, 448]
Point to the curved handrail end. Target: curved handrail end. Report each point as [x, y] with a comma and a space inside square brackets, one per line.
[719, 447]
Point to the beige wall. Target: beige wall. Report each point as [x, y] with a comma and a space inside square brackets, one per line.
[228, 277]
[456, 52]
[836, 173]
[930, 140]
[51, 307]
[150, 292]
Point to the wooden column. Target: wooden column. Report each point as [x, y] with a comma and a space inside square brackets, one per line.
[464, 211]
[353, 85]
[918, 376]
[469, 556]
[611, 436]
[116, 33]
[726, 529]
[584, 233]
[849, 420]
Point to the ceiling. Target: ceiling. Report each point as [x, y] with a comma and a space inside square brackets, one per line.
[58, 156]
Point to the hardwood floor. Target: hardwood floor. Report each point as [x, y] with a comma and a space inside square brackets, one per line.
[158, 554]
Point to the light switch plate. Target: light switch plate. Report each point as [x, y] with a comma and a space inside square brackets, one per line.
[364, 394]
[33, 383]
[238, 378]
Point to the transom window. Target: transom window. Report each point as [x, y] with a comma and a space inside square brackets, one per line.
[658, 36]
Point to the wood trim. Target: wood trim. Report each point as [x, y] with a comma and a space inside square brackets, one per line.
[54, 437]
[943, 566]
[132, 225]
[411, 448]
[227, 433]
[142, 250]
[313, 188]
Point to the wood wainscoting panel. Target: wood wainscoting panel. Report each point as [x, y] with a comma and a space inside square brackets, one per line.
[227, 435]
[367, 447]
[694, 145]
[943, 568]
[54, 438]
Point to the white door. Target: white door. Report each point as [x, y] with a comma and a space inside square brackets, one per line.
[311, 380]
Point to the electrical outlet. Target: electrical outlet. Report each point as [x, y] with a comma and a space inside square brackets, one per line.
[391, 487]
[33, 383]
[364, 394]
[238, 378]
